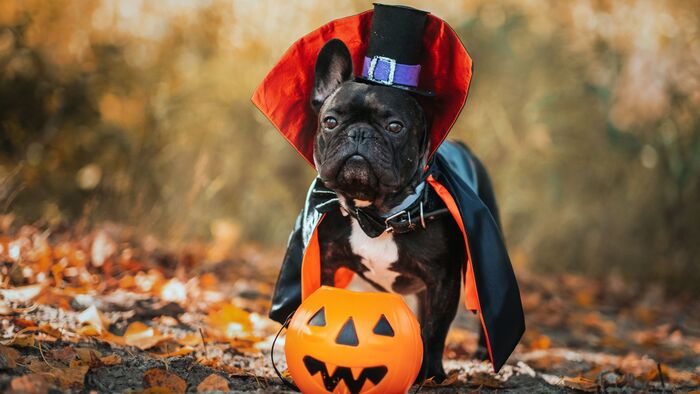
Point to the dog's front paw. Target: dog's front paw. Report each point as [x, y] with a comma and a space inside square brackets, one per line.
[435, 373]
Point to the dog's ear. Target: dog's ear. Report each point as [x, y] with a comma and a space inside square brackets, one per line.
[333, 67]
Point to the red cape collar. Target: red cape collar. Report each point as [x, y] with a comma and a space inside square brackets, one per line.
[284, 95]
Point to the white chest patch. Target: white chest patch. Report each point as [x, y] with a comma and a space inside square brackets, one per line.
[377, 255]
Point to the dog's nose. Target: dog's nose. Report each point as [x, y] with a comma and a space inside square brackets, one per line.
[358, 134]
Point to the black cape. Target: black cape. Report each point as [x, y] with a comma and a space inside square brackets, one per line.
[488, 273]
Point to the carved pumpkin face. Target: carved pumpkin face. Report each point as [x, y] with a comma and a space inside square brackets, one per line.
[342, 341]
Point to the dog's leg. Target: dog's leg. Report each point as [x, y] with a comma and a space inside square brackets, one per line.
[482, 352]
[437, 307]
[327, 275]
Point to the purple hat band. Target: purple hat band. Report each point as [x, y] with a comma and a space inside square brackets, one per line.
[386, 71]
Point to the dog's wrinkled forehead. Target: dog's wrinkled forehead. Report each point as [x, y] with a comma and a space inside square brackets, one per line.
[383, 101]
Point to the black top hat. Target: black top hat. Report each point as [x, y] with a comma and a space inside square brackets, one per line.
[394, 49]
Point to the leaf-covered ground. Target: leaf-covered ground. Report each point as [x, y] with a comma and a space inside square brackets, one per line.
[107, 311]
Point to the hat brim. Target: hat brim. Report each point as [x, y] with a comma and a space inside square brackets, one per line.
[284, 96]
[410, 89]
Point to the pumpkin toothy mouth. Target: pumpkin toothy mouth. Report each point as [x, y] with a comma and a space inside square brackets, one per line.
[373, 374]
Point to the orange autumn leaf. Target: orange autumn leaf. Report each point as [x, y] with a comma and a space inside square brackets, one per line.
[213, 382]
[230, 320]
[127, 282]
[22, 294]
[88, 356]
[94, 318]
[451, 380]
[112, 359]
[541, 342]
[183, 351]
[143, 336]
[582, 384]
[208, 281]
[215, 362]
[88, 331]
[585, 297]
[20, 340]
[157, 378]
[50, 330]
[246, 345]
[65, 354]
[30, 383]
[485, 380]
[190, 339]
[113, 339]
[8, 357]
[70, 377]
[24, 323]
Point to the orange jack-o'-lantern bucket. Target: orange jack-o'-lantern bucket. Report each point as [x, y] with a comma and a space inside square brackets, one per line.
[342, 341]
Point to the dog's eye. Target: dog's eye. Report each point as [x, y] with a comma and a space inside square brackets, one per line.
[394, 127]
[330, 122]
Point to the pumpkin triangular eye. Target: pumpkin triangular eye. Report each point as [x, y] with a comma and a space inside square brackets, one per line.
[319, 318]
[347, 335]
[383, 327]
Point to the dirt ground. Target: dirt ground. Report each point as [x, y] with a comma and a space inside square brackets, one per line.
[107, 312]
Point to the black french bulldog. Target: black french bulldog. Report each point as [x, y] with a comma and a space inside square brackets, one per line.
[371, 149]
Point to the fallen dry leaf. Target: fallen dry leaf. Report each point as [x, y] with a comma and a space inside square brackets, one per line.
[8, 357]
[541, 342]
[24, 323]
[29, 384]
[22, 294]
[6, 310]
[143, 336]
[482, 379]
[215, 362]
[245, 345]
[450, 380]
[230, 321]
[112, 359]
[582, 384]
[544, 362]
[65, 354]
[50, 330]
[37, 365]
[88, 356]
[21, 340]
[182, 351]
[174, 291]
[103, 247]
[88, 331]
[213, 382]
[112, 339]
[92, 317]
[71, 377]
[157, 378]
[190, 339]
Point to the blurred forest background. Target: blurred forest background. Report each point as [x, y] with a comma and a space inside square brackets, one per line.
[138, 112]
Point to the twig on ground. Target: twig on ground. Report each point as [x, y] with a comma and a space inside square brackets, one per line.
[41, 352]
[204, 343]
[661, 377]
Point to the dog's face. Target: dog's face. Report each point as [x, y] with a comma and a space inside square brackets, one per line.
[370, 144]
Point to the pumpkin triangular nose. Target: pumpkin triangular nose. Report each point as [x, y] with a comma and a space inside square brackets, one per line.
[347, 335]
